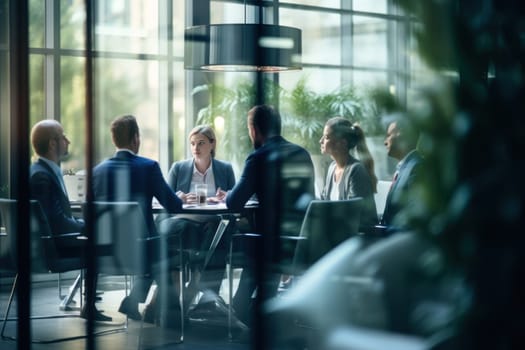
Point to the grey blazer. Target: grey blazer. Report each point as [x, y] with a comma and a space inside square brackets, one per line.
[181, 172]
[356, 182]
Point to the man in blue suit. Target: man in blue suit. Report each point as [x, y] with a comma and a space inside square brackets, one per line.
[262, 176]
[401, 143]
[129, 177]
[47, 187]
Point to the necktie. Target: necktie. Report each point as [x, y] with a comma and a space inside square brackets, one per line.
[396, 174]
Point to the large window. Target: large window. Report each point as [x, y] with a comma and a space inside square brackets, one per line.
[139, 54]
[134, 53]
[359, 44]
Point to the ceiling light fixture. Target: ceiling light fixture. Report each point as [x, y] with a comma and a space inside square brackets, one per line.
[242, 47]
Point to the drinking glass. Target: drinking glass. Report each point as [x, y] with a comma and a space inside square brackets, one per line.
[201, 190]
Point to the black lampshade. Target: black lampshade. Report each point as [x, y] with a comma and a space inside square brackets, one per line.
[242, 47]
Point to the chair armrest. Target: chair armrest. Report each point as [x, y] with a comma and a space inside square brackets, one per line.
[374, 230]
[63, 241]
[248, 235]
[294, 238]
[149, 239]
[63, 236]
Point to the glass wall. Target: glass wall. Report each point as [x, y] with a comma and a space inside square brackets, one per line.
[348, 49]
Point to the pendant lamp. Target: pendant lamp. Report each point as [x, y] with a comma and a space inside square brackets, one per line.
[242, 47]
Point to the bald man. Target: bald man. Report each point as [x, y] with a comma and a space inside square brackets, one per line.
[50, 145]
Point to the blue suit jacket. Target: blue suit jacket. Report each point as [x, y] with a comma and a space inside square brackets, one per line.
[259, 178]
[46, 188]
[398, 196]
[180, 174]
[128, 177]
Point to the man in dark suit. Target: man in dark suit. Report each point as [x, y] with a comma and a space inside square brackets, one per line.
[262, 177]
[401, 143]
[47, 187]
[129, 177]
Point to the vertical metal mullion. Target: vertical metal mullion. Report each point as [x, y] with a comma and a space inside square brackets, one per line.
[259, 340]
[56, 59]
[19, 86]
[51, 59]
[197, 12]
[89, 214]
[165, 77]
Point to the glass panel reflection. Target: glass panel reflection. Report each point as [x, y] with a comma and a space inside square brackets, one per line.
[36, 23]
[72, 110]
[36, 88]
[124, 28]
[72, 22]
[321, 3]
[128, 87]
[379, 6]
[321, 34]
[370, 41]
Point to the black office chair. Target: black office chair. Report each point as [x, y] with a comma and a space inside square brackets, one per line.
[326, 224]
[126, 248]
[44, 256]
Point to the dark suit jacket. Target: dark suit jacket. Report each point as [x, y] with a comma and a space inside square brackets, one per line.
[128, 177]
[398, 196]
[46, 188]
[262, 175]
[180, 174]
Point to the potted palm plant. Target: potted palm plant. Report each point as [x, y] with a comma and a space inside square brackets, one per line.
[304, 113]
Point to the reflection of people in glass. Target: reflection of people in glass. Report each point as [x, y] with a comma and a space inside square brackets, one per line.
[47, 186]
[347, 176]
[202, 168]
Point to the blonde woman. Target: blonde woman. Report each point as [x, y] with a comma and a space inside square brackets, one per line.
[349, 176]
[201, 168]
[198, 230]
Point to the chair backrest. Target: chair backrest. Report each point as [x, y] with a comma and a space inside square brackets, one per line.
[42, 254]
[287, 183]
[296, 193]
[120, 231]
[326, 224]
[7, 254]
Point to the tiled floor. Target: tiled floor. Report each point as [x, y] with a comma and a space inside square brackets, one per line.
[45, 302]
